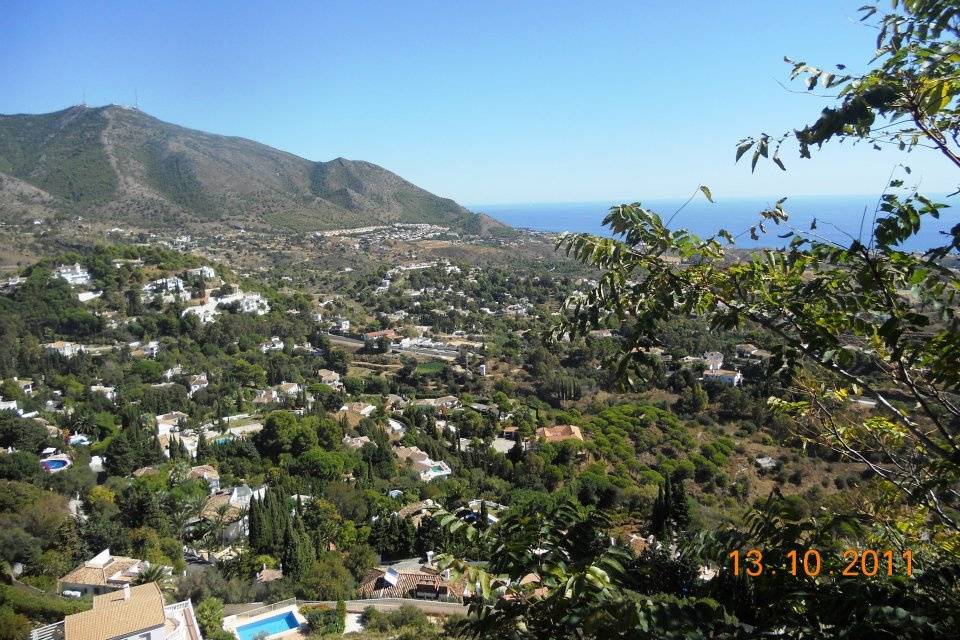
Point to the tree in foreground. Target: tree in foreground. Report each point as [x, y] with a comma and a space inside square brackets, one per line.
[846, 319]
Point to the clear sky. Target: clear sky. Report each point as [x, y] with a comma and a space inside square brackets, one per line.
[484, 102]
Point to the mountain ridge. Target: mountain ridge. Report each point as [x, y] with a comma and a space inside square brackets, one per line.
[120, 165]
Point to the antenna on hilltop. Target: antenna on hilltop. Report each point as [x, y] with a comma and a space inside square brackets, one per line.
[136, 99]
[83, 102]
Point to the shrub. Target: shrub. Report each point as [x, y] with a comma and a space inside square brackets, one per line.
[323, 620]
[42, 608]
[406, 616]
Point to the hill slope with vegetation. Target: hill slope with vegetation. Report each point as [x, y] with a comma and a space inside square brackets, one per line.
[122, 166]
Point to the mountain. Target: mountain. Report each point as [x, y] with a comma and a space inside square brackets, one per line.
[125, 168]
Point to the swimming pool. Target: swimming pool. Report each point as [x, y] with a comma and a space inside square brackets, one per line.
[269, 626]
[55, 464]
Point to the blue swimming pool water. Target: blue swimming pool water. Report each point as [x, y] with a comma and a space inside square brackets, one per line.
[53, 464]
[274, 624]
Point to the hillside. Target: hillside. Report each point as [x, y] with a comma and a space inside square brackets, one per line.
[125, 168]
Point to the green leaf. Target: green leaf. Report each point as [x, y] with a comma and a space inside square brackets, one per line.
[706, 192]
[743, 148]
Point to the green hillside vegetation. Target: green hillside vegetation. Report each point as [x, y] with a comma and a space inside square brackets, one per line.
[126, 168]
[60, 153]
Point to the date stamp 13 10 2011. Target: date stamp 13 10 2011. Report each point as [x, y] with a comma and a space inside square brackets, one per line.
[855, 563]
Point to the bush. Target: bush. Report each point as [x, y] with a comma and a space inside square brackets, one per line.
[323, 620]
[406, 616]
[42, 608]
[13, 626]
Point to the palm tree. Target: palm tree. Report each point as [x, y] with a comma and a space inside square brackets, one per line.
[154, 573]
[223, 519]
[182, 511]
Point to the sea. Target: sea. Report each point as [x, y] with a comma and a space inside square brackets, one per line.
[838, 218]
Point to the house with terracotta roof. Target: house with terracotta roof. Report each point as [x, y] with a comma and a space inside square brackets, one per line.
[167, 421]
[266, 575]
[559, 433]
[419, 585]
[365, 409]
[231, 505]
[101, 574]
[330, 378]
[131, 613]
[427, 468]
[415, 512]
[207, 473]
[371, 336]
[197, 383]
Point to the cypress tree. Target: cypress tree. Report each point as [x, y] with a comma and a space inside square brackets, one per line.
[679, 507]
[253, 525]
[202, 447]
[660, 516]
[279, 518]
[268, 528]
[152, 453]
[297, 553]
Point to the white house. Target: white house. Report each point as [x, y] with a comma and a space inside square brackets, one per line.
[75, 275]
[25, 385]
[288, 389]
[274, 344]
[109, 392]
[196, 383]
[167, 421]
[102, 573]
[176, 370]
[356, 443]
[363, 408]
[207, 473]
[732, 378]
[330, 378]
[205, 272]
[254, 303]
[66, 349]
[713, 360]
[171, 288]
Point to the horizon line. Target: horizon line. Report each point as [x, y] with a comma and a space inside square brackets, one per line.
[716, 200]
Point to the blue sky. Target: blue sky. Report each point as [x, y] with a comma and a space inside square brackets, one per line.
[482, 102]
